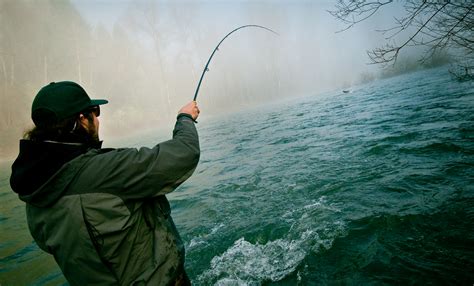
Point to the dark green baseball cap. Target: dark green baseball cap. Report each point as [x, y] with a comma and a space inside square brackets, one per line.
[59, 101]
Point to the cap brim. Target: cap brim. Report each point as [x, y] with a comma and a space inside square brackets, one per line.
[95, 102]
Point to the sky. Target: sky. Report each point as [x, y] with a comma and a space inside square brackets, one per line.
[305, 27]
[106, 12]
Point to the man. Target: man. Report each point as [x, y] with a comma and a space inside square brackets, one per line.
[102, 213]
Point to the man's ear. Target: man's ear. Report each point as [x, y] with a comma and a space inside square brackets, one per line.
[83, 121]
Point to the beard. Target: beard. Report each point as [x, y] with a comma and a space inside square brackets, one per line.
[93, 135]
[89, 136]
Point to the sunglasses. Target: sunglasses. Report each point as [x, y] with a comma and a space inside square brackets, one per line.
[95, 110]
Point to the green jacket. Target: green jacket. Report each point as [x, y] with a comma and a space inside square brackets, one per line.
[103, 213]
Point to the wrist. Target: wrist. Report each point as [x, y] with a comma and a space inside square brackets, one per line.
[182, 114]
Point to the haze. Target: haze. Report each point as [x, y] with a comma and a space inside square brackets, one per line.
[146, 57]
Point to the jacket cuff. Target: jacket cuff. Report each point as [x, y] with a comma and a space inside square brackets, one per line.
[185, 115]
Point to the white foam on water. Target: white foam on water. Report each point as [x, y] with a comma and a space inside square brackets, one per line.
[235, 282]
[319, 204]
[202, 239]
[196, 241]
[255, 262]
[245, 263]
[216, 228]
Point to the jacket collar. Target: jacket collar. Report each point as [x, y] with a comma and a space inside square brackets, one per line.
[38, 161]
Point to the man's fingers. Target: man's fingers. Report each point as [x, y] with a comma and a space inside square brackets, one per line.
[191, 108]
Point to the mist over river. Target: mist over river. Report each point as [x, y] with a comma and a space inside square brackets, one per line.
[370, 187]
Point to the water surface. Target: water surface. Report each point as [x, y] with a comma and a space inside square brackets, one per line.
[375, 186]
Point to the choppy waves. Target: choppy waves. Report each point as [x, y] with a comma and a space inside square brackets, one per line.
[252, 263]
[345, 189]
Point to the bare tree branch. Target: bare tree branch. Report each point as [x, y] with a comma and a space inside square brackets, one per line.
[345, 10]
[439, 26]
[390, 53]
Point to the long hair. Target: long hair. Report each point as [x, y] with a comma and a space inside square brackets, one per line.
[68, 130]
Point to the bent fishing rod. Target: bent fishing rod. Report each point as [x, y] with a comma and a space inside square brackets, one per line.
[206, 68]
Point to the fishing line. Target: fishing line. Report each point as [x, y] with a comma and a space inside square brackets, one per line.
[206, 68]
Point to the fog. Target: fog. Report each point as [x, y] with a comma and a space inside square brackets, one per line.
[146, 57]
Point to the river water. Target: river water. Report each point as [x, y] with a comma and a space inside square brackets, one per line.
[375, 186]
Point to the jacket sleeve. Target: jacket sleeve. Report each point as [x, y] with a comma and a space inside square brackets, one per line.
[136, 174]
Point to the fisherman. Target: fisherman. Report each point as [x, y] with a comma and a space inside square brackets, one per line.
[102, 213]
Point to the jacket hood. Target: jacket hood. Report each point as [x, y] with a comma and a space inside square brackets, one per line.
[35, 169]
